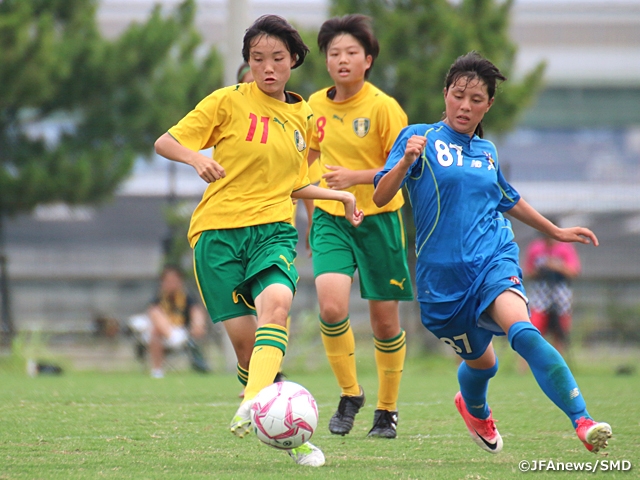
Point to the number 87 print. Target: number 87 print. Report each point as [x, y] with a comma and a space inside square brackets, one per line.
[452, 343]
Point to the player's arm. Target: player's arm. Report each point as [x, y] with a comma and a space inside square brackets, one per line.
[391, 182]
[566, 262]
[562, 267]
[208, 169]
[312, 156]
[340, 178]
[530, 216]
[352, 214]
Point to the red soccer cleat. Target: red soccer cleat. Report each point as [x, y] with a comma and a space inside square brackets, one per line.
[483, 432]
[594, 435]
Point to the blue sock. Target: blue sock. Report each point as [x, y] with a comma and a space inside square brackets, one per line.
[474, 384]
[549, 369]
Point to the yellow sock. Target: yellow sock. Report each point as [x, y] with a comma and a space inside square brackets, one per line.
[243, 375]
[268, 351]
[390, 355]
[340, 346]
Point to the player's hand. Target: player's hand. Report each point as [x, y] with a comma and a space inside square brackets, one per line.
[577, 234]
[415, 146]
[351, 212]
[208, 169]
[339, 178]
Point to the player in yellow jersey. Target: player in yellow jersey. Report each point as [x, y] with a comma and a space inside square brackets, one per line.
[356, 125]
[241, 232]
[244, 75]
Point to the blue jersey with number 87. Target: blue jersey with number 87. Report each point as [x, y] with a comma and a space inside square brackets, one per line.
[458, 194]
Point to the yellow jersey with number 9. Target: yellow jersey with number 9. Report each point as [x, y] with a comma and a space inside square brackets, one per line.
[357, 134]
[261, 143]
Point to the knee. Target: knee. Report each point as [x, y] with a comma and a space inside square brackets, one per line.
[523, 337]
[278, 315]
[385, 327]
[333, 313]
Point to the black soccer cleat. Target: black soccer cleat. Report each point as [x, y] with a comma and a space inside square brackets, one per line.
[342, 421]
[385, 424]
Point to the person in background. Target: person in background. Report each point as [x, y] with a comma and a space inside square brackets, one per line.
[355, 127]
[550, 266]
[469, 281]
[177, 319]
[244, 73]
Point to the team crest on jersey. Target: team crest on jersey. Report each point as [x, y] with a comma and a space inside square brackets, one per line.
[491, 164]
[300, 142]
[361, 126]
[515, 280]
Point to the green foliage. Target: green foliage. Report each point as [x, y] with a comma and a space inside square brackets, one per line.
[419, 41]
[76, 108]
[312, 75]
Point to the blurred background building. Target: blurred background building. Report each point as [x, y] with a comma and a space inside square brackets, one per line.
[574, 155]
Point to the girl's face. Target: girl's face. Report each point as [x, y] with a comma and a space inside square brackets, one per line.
[270, 63]
[466, 102]
[346, 60]
[171, 282]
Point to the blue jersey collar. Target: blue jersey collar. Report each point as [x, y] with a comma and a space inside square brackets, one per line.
[461, 137]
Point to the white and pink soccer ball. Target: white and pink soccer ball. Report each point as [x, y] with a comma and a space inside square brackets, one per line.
[284, 415]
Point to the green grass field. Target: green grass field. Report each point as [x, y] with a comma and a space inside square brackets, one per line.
[127, 425]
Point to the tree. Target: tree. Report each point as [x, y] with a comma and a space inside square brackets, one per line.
[420, 39]
[76, 109]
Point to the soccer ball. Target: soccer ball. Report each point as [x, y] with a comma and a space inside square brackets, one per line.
[284, 415]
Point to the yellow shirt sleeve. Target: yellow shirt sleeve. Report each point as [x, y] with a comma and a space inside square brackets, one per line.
[198, 129]
[392, 120]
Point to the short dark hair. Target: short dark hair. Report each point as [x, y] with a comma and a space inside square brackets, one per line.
[278, 27]
[474, 66]
[356, 25]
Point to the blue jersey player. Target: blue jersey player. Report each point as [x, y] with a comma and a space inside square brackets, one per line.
[468, 279]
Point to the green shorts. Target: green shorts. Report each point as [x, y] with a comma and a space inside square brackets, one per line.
[234, 265]
[377, 248]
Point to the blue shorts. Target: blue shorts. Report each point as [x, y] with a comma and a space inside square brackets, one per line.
[464, 324]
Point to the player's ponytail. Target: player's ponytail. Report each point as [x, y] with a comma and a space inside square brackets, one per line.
[475, 66]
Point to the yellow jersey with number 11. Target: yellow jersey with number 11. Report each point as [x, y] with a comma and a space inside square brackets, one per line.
[261, 143]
